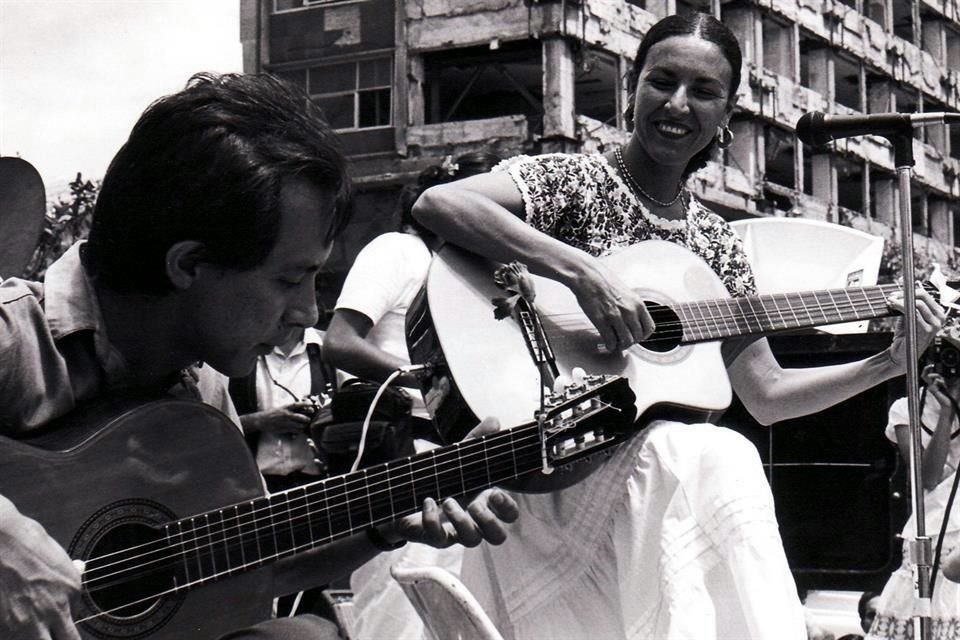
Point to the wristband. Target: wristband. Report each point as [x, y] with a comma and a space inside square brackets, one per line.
[377, 540]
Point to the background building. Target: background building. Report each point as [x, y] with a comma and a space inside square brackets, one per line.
[409, 82]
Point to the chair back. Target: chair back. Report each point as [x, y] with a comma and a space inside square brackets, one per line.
[448, 609]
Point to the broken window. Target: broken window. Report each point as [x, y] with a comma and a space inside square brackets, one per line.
[477, 82]
[808, 152]
[907, 100]
[955, 217]
[597, 86]
[953, 48]
[876, 10]
[808, 46]
[903, 19]
[777, 47]
[918, 209]
[688, 6]
[288, 5]
[883, 192]
[780, 156]
[354, 95]
[849, 183]
[846, 82]
[954, 139]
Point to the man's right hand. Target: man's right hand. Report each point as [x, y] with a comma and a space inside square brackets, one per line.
[38, 579]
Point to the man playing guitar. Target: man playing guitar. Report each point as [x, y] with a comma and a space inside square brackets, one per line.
[213, 220]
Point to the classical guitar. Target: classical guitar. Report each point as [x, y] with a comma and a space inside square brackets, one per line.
[164, 503]
[494, 367]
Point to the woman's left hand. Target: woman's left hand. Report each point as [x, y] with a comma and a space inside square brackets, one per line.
[930, 318]
[448, 523]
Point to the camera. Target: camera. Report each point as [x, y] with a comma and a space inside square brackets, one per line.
[945, 357]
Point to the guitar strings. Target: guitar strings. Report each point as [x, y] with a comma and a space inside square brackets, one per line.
[410, 462]
[299, 521]
[338, 497]
[461, 452]
[531, 458]
[728, 302]
[772, 299]
[346, 489]
[732, 313]
[512, 471]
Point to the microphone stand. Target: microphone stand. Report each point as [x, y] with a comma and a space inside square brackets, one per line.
[920, 547]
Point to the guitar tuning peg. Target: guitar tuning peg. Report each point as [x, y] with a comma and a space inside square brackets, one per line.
[561, 383]
[578, 375]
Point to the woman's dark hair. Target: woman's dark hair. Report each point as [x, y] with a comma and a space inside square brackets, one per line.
[701, 25]
[208, 164]
[468, 164]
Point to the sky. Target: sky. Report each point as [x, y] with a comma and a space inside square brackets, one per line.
[76, 74]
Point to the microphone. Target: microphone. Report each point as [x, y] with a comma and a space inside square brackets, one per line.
[817, 129]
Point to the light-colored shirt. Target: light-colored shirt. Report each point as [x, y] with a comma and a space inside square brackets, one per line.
[388, 272]
[55, 352]
[282, 379]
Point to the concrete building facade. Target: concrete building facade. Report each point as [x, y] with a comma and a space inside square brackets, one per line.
[411, 82]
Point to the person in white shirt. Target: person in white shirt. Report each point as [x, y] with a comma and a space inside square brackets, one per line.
[277, 403]
[367, 339]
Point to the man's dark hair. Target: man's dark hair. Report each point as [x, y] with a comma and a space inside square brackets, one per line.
[865, 598]
[701, 25]
[208, 164]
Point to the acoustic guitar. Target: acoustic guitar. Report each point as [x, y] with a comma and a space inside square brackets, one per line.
[487, 366]
[164, 503]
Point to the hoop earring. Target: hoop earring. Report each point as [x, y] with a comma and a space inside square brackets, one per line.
[724, 137]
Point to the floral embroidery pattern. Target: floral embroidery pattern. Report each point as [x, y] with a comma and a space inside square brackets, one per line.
[514, 279]
[581, 200]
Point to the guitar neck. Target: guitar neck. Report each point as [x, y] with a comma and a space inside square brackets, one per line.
[770, 313]
[261, 531]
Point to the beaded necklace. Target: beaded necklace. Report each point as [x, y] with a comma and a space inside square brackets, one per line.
[635, 186]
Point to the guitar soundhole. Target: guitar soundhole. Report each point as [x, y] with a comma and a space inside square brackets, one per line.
[129, 577]
[128, 598]
[668, 331]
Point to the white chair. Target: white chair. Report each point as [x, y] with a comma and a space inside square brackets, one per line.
[448, 610]
[797, 254]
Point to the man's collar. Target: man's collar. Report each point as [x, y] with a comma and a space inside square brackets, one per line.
[70, 306]
[69, 300]
[310, 336]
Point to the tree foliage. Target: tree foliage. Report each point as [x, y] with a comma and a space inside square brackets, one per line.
[65, 222]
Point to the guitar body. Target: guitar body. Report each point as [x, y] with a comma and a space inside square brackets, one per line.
[107, 478]
[488, 366]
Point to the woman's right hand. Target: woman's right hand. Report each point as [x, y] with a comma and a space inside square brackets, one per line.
[616, 310]
[38, 579]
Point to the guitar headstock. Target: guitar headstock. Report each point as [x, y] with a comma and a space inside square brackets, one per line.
[581, 417]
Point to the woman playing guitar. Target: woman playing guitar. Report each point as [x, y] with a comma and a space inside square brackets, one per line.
[674, 536]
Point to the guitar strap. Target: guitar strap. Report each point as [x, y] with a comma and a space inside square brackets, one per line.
[243, 392]
[323, 379]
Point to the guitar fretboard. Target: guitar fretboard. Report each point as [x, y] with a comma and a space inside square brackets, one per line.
[263, 530]
[769, 313]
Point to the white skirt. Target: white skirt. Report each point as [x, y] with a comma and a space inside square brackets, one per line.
[673, 538]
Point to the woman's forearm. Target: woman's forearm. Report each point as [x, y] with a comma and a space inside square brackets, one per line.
[475, 221]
